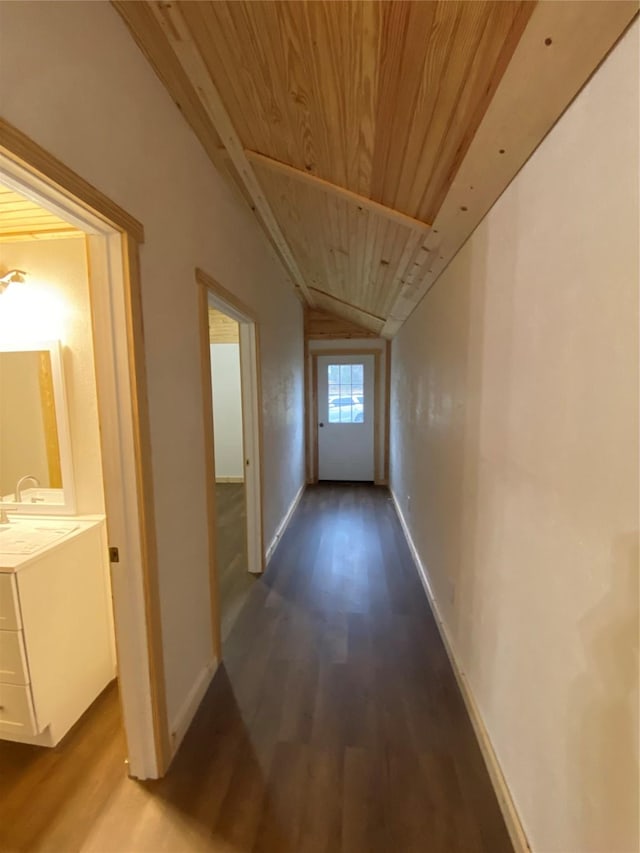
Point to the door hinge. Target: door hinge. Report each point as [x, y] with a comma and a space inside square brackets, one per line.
[114, 555]
[247, 462]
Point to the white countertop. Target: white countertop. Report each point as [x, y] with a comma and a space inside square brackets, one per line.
[42, 535]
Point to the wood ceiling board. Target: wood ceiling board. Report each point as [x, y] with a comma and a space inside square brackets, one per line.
[281, 70]
[36, 215]
[390, 101]
[333, 189]
[324, 325]
[368, 96]
[291, 80]
[151, 40]
[289, 203]
[541, 81]
[343, 248]
[434, 100]
[222, 329]
[26, 236]
[11, 206]
[335, 306]
[23, 219]
[172, 28]
[301, 212]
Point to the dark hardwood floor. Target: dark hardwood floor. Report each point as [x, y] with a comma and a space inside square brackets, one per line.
[335, 723]
[234, 581]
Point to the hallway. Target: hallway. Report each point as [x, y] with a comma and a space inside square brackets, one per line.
[334, 724]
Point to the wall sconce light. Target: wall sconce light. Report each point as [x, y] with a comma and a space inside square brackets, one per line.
[30, 309]
[12, 277]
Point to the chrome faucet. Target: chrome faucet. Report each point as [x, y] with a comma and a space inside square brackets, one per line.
[20, 484]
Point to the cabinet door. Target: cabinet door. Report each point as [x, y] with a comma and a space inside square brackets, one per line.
[13, 661]
[16, 710]
[9, 611]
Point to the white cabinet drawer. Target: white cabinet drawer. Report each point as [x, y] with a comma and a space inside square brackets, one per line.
[9, 612]
[16, 710]
[13, 660]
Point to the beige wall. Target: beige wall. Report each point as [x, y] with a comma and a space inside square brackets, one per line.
[58, 271]
[74, 80]
[515, 437]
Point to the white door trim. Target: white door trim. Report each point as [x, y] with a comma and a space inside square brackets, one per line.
[109, 316]
[251, 444]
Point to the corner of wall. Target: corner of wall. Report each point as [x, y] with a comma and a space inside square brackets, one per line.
[277, 536]
[187, 711]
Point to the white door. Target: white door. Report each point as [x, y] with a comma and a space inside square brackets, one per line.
[346, 409]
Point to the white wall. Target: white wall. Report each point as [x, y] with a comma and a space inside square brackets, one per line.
[227, 410]
[515, 433]
[73, 79]
[55, 305]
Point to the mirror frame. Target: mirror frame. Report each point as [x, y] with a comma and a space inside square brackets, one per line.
[68, 506]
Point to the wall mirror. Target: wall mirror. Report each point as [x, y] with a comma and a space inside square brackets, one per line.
[36, 470]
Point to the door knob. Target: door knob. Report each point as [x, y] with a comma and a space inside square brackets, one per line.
[321, 424]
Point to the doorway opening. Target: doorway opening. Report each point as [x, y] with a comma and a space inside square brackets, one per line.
[79, 581]
[231, 394]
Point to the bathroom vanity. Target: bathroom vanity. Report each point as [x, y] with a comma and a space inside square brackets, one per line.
[56, 633]
[56, 638]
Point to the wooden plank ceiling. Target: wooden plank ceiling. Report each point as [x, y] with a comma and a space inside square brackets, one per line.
[22, 219]
[222, 329]
[346, 125]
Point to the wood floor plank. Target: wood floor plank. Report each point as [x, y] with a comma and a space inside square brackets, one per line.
[48, 795]
[234, 580]
[281, 820]
[334, 725]
[363, 803]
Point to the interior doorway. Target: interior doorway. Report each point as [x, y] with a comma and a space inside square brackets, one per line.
[73, 300]
[231, 393]
[234, 578]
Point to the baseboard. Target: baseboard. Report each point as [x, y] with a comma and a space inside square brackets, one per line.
[505, 799]
[189, 707]
[283, 525]
[229, 479]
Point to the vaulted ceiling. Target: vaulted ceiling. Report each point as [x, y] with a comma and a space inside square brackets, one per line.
[370, 138]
